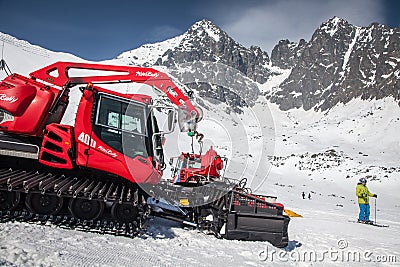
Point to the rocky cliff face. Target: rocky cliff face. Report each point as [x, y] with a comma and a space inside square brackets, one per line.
[204, 41]
[208, 60]
[286, 54]
[339, 63]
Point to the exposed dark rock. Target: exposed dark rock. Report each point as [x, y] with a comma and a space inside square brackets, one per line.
[341, 62]
[286, 54]
[204, 41]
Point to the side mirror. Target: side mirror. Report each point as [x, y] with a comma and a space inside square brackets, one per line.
[171, 120]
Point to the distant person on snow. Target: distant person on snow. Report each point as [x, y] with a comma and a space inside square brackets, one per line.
[309, 195]
[303, 195]
[363, 195]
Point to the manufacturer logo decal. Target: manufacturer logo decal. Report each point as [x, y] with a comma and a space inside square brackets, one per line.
[11, 99]
[107, 151]
[147, 74]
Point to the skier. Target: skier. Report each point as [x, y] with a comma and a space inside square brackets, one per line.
[363, 195]
[303, 195]
[309, 196]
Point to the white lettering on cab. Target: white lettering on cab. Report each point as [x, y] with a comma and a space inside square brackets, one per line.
[85, 138]
[11, 99]
[107, 151]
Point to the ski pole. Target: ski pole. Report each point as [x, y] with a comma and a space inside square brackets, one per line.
[375, 210]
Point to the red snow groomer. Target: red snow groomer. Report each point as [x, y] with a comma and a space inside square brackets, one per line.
[99, 173]
[194, 169]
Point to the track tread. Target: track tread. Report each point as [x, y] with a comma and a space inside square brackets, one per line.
[72, 188]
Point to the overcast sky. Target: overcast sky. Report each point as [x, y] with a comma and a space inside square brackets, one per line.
[100, 29]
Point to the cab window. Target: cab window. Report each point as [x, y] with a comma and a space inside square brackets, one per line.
[119, 115]
[122, 126]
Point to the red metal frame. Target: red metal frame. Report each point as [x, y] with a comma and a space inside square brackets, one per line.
[58, 74]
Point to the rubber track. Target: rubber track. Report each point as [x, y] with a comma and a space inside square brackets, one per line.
[72, 187]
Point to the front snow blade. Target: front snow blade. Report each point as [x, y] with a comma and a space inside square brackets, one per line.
[252, 218]
[258, 227]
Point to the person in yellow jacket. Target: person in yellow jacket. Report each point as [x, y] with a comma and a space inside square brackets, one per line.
[363, 195]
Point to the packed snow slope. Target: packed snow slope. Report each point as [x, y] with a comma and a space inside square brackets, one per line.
[283, 154]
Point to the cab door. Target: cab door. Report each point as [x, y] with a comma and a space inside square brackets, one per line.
[120, 136]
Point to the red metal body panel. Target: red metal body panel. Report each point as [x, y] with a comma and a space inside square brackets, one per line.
[17, 99]
[28, 102]
[57, 142]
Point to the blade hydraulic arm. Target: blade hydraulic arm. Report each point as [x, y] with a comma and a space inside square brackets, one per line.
[59, 74]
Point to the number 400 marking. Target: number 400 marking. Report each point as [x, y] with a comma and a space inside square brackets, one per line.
[85, 138]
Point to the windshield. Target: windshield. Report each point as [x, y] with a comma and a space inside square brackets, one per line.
[194, 163]
[115, 114]
[122, 125]
[188, 163]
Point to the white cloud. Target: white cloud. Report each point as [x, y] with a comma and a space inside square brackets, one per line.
[265, 24]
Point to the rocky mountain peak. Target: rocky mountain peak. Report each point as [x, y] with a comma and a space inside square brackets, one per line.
[206, 42]
[333, 25]
[341, 62]
[206, 28]
[208, 60]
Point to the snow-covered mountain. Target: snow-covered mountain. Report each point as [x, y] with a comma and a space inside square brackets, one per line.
[341, 62]
[286, 54]
[208, 60]
[206, 42]
[282, 152]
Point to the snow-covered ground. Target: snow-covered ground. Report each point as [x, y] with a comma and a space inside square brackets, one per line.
[283, 154]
